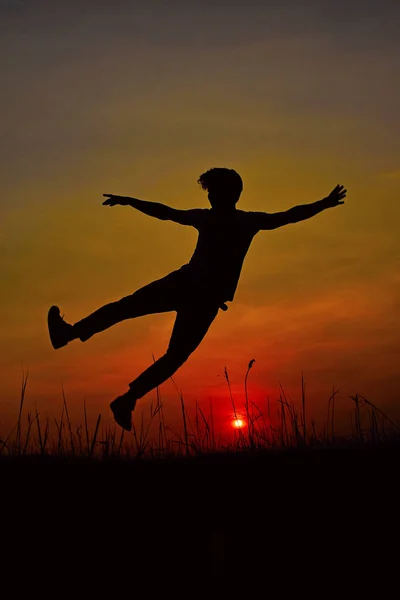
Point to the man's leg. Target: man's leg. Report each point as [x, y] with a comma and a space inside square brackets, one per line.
[191, 325]
[158, 296]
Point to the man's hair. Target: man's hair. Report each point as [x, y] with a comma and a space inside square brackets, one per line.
[222, 180]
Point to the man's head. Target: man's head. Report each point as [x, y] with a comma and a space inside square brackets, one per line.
[224, 187]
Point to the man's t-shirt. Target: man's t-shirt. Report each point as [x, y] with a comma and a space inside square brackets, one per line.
[222, 245]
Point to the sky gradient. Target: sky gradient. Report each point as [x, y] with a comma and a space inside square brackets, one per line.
[139, 98]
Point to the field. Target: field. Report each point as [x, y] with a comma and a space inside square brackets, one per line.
[280, 504]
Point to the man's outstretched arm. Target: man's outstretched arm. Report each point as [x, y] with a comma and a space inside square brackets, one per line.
[154, 209]
[301, 212]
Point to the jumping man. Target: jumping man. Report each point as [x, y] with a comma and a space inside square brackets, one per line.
[196, 291]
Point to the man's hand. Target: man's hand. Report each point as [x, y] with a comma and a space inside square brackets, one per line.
[335, 196]
[112, 200]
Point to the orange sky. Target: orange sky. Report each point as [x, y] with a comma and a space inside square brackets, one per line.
[296, 103]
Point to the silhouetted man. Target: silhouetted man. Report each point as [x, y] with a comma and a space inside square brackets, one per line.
[196, 291]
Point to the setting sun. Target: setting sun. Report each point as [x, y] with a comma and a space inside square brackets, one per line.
[238, 423]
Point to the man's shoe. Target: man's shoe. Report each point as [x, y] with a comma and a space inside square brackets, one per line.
[122, 408]
[60, 331]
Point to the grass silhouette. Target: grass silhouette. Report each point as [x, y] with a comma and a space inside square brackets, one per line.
[370, 427]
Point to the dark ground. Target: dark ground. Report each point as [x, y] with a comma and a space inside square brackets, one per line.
[296, 520]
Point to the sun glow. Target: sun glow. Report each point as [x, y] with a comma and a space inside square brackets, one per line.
[238, 423]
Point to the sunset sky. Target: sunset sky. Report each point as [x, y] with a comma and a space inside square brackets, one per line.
[139, 98]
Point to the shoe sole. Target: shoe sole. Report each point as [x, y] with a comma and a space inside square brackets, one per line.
[121, 422]
[121, 417]
[53, 316]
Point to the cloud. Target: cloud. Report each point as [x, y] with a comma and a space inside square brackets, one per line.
[392, 174]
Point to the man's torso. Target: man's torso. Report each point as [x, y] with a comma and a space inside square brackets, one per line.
[215, 266]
